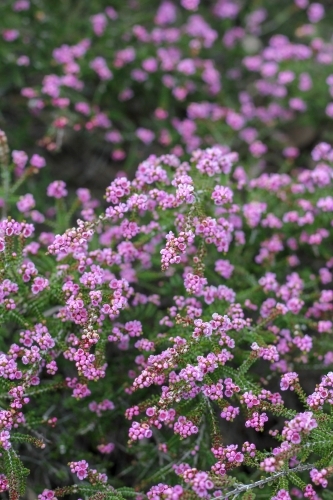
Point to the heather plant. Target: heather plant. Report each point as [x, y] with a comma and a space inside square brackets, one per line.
[137, 77]
[183, 326]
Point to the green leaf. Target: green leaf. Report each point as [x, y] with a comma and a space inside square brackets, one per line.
[16, 474]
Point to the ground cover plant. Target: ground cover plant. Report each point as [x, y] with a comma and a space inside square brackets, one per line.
[172, 338]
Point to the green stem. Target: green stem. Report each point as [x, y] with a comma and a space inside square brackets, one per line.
[259, 484]
[5, 175]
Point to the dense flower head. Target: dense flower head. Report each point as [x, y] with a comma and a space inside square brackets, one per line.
[80, 469]
[303, 423]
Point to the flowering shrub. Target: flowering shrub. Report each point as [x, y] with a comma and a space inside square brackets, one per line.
[175, 343]
[142, 76]
[189, 313]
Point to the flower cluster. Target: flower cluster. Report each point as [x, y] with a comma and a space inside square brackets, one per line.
[181, 327]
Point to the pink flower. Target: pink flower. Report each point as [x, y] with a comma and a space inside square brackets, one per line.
[10, 35]
[80, 469]
[190, 4]
[257, 149]
[37, 161]
[39, 284]
[166, 13]
[26, 203]
[21, 5]
[99, 23]
[315, 12]
[145, 135]
[111, 13]
[23, 61]
[329, 109]
[57, 189]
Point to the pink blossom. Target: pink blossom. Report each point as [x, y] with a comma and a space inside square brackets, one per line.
[57, 189]
[145, 135]
[37, 161]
